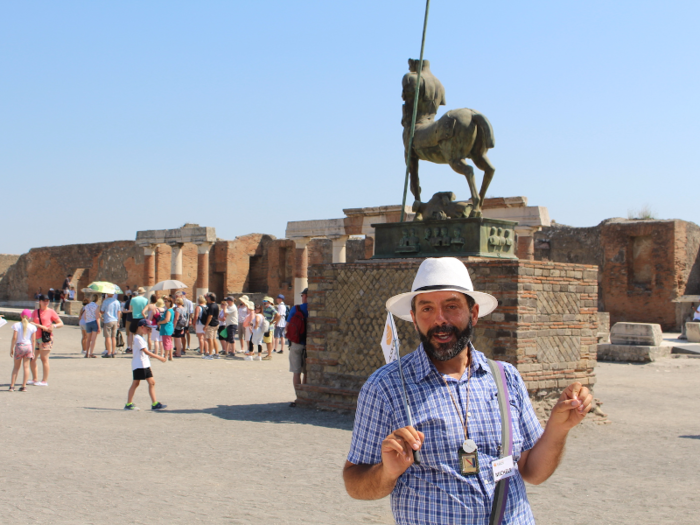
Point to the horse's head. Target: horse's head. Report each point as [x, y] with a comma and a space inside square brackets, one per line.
[431, 94]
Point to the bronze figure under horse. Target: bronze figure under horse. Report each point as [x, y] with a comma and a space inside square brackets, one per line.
[458, 135]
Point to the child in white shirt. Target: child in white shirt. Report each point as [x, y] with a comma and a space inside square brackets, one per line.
[141, 367]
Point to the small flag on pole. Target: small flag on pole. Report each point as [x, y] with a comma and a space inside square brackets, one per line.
[387, 342]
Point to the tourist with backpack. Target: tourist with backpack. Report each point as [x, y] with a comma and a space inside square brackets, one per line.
[296, 334]
[182, 323]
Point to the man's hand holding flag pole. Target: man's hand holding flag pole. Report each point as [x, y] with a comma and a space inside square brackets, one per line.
[390, 347]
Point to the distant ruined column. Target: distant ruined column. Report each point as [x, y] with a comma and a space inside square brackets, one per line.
[202, 286]
[176, 261]
[149, 263]
[156, 240]
[339, 248]
[301, 268]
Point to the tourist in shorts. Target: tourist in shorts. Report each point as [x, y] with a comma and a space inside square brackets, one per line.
[141, 368]
[46, 320]
[85, 339]
[181, 325]
[21, 348]
[200, 315]
[278, 335]
[211, 325]
[92, 324]
[272, 317]
[167, 328]
[137, 305]
[111, 312]
[157, 315]
[231, 323]
[189, 308]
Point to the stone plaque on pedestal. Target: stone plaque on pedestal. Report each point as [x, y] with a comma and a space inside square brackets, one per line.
[475, 237]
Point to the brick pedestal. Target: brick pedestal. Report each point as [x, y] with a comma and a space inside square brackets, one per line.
[545, 325]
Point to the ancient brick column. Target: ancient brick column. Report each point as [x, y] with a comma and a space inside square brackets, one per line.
[149, 263]
[202, 286]
[176, 261]
[301, 266]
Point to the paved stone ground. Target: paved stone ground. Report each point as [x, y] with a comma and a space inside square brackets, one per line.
[230, 450]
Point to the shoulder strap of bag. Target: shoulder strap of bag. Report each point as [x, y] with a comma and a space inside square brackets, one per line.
[500, 496]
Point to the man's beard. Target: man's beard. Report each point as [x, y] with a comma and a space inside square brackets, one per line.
[446, 351]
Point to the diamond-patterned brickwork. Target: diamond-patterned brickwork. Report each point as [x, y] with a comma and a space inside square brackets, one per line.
[558, 348]
[359, 304]
[549, 303]
[555, 344]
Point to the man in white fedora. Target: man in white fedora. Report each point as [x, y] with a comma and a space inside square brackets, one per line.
[453, 395]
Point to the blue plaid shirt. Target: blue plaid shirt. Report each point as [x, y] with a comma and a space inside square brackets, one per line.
[435, 491]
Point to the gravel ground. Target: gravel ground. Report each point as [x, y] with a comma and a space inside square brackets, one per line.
[228, 449]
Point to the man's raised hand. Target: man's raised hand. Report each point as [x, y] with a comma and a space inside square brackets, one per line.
[573, 405]
[397, 450]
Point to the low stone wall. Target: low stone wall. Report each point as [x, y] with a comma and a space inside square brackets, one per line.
[546, 323]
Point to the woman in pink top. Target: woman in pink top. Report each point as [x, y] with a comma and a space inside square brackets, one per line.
[46, 320]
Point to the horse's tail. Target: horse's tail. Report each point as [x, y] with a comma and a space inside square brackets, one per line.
[485, 138]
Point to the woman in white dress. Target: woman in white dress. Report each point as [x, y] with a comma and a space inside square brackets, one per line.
[256, 338]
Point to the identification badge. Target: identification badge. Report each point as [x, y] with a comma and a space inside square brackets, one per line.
[468, 462]
[503, 468]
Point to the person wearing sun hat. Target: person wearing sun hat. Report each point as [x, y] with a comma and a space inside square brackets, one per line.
[452, 393]
[243, 310]
[271, 315]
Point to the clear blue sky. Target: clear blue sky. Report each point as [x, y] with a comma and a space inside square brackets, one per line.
[124, 116]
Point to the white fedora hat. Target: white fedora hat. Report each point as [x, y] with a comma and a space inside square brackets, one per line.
[439, 275]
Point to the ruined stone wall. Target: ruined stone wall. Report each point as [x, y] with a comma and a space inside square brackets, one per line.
[689, 265]
[560, 243]
[546, 323]
[320, 251]
[120, 262]
[240, 251]
[280, 268]
[643, 264]
[5, 262]
[643, 272]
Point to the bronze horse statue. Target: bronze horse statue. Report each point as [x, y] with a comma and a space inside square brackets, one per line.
[458, 135]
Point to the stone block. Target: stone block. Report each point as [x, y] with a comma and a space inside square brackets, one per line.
[645, 334]
[692, 332]
[633, 353]
[72, 307]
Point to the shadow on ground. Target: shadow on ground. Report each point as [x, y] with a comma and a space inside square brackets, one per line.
[690, 437]
[275, 413]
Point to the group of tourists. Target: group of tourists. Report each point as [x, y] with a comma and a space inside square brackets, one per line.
[161, 328]
[32, 338]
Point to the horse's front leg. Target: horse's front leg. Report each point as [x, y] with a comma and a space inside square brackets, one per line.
[461, 167]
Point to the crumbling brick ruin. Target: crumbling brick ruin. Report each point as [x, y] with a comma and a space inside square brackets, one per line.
[644, 265]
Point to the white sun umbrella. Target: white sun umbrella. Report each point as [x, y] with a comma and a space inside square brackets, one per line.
[168, 285]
